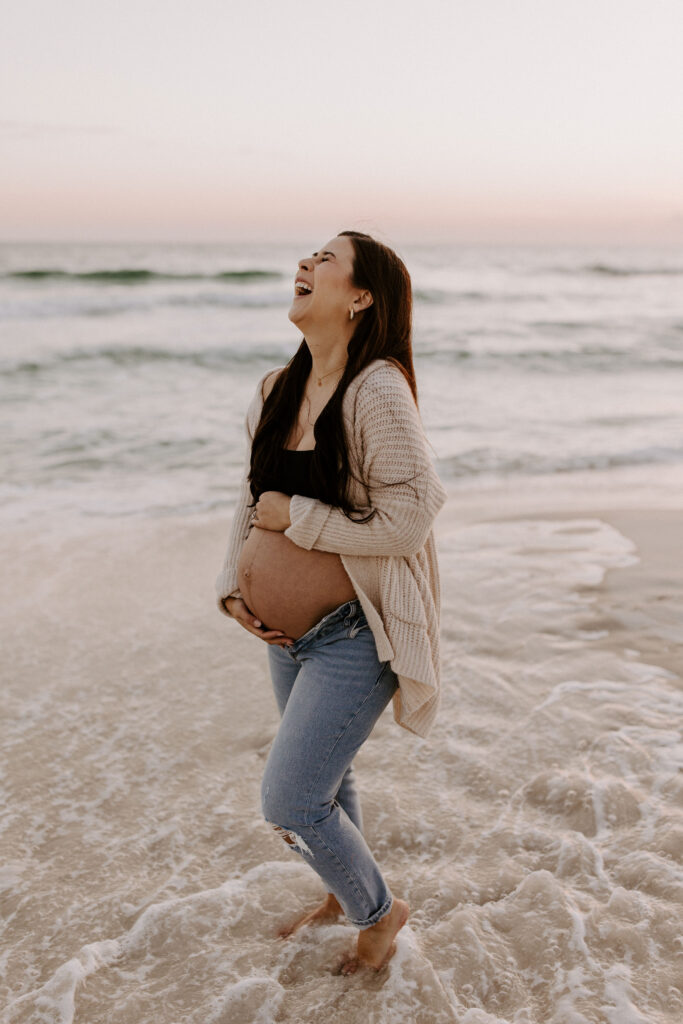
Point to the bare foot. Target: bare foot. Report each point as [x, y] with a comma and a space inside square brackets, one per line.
[328, 910]
[376, 944]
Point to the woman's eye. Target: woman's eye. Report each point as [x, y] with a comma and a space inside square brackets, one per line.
[324, 259]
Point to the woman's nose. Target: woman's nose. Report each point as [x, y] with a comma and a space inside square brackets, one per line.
[305, 264]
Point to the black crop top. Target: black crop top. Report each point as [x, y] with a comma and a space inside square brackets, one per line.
[293, 474]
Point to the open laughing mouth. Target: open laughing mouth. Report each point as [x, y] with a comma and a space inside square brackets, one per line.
[301, 288]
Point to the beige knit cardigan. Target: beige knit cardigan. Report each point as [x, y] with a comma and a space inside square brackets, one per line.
[391, 560]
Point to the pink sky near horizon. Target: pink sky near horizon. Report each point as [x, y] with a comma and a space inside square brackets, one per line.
[477, 121]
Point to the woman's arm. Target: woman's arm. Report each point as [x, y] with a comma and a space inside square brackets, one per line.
[394, 450]
[226, 583]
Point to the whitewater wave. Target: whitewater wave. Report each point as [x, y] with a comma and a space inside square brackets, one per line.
[542, 360]
[487, 460]
[614, 270]
[141, 275]
[137, 355]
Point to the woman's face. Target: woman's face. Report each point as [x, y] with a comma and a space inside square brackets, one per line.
[328, 274]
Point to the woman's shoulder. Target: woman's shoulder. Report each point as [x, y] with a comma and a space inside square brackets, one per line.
[379, 398]
[267, 382]
[258, 398]
[381, 379]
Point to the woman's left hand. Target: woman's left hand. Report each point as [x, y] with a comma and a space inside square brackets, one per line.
[272, 512]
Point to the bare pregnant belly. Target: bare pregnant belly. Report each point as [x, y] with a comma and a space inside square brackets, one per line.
[287, 587]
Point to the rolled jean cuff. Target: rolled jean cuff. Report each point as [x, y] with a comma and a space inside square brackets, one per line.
[382, 912]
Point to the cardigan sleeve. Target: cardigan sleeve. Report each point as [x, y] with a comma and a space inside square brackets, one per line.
[226, 583]
[403, 487]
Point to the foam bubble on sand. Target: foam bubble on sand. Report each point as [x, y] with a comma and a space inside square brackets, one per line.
[197, 931]
[256, 999]
[55, 1000]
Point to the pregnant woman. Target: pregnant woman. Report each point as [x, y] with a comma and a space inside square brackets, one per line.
[332, 563]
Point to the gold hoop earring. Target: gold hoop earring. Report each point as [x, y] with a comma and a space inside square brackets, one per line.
[351, 313]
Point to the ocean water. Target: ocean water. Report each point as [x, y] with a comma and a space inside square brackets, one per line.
[126, 370]
[536, 834]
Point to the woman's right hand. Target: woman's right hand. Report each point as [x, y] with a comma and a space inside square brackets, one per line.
[239, 611]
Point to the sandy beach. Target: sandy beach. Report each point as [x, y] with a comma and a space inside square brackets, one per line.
[536, 834]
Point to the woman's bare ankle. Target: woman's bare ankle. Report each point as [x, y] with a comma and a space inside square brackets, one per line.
[328, 910]
[376, 944]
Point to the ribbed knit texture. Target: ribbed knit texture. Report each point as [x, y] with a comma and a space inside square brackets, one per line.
[391, 560]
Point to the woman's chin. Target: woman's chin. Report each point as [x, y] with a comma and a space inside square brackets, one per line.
[295, 314]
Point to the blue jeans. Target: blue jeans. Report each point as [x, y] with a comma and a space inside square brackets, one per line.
[330, 689]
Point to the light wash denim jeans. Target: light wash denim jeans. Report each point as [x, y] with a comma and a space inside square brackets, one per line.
[330, 689]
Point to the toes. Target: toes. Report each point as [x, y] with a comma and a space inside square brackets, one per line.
[349, 966]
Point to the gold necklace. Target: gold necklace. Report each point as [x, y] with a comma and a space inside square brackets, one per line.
[321, 379]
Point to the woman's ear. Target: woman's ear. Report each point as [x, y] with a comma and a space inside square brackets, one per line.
[363, 301]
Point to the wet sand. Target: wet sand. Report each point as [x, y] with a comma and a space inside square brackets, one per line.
[536, 834]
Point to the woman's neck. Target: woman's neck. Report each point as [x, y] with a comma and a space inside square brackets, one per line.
[329, 351]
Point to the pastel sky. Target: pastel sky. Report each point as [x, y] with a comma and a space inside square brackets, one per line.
[463, 120]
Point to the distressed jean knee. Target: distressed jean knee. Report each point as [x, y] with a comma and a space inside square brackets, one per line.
[274, 811]
[292, 838]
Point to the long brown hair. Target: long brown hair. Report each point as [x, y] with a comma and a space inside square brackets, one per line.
[384, 331]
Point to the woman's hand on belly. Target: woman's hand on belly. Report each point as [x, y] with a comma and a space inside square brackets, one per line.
[239, 611]
[287, 587]
[272, 512]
